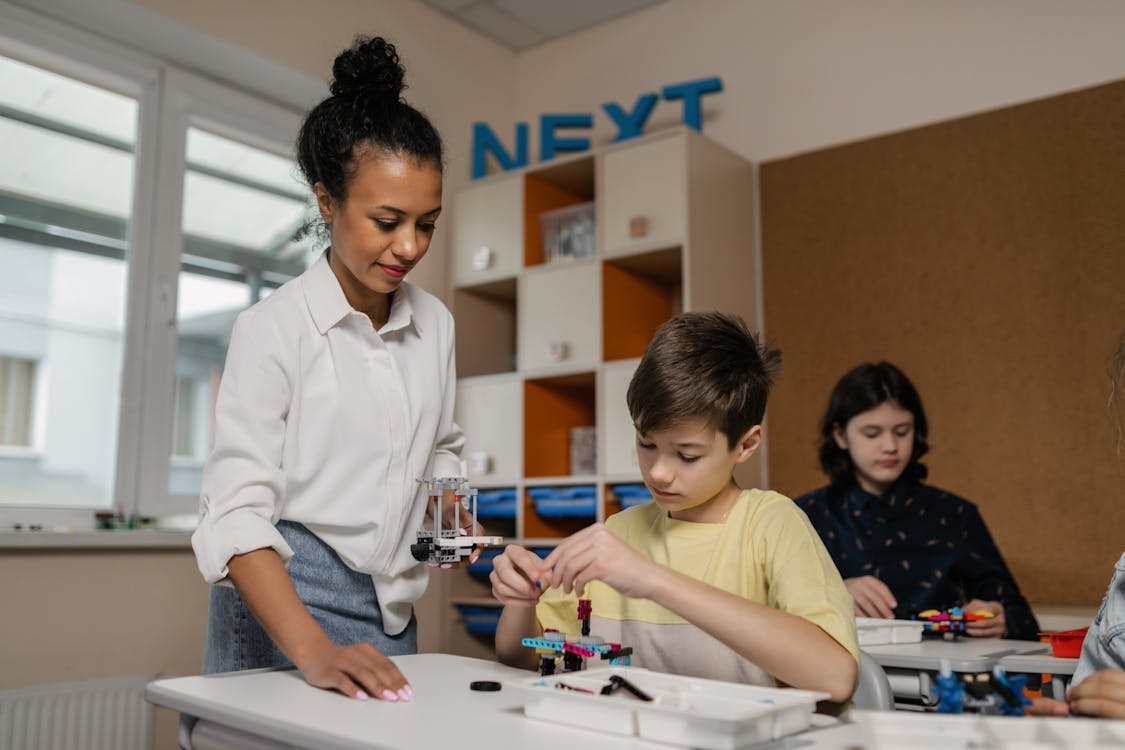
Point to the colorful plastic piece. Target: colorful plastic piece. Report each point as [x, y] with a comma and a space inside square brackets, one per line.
[983, 693]
[576, 650]
[948, 621]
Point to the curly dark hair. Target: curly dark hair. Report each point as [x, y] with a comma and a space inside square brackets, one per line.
[863, 388]
[703, 365]
[365, 113]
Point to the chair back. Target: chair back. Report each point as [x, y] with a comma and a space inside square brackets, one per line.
[872, 688]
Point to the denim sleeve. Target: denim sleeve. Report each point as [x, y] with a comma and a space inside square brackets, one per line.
[1104, 647]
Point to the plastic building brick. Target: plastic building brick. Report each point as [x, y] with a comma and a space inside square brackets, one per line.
[948, 621]
[576, 650]
[982, 693]
[950, 691]
[450, 545]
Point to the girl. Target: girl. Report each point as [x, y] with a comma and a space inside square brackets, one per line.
[903, 546]
[337, 393]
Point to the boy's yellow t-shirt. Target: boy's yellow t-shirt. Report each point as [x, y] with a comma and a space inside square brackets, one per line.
[766, 551]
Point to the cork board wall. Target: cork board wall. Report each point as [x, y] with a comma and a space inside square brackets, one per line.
[985, 257]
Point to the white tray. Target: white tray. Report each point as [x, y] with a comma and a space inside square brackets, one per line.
[875, 631]
[883, 730]
[685, 711]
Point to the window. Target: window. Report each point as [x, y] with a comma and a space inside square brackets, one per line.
[242, 209]
[141, 209]
[66, 183]
[17, 401]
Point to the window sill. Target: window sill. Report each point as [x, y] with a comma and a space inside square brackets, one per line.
[123, 539]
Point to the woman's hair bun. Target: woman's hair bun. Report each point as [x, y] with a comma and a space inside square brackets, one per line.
[371, 64]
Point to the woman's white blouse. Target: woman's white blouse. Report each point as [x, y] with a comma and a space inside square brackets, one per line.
[322, 420]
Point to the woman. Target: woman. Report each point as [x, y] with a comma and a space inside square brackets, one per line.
[903, 546]
[337, 394]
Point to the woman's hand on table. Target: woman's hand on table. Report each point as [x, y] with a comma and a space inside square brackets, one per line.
[358, 671]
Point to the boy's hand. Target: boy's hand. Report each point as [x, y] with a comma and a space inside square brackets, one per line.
[1100, 694]
[992, 627]
[596, 554]
[514, 574]
[873, 598]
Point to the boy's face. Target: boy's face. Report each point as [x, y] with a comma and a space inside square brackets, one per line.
[688, 469]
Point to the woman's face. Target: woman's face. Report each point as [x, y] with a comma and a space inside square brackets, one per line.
[383, 226]
[880, 442]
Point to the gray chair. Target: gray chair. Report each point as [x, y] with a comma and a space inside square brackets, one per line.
[872, 688]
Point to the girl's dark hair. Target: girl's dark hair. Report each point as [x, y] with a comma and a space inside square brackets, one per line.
[707, 365]
[862, 389]
[365, 112]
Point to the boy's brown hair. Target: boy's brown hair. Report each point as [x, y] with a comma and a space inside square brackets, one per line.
[703, 365]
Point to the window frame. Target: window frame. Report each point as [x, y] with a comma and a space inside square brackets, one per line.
[169, 100]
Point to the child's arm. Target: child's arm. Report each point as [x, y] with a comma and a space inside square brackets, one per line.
[513, 577]
[789, 647]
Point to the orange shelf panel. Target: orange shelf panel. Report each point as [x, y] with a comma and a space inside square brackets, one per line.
[633, 307]
[551, 407]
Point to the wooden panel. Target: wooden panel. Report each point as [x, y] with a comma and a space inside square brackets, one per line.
[986, 257]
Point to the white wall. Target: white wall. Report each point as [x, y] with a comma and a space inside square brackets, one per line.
[453, 74]
[803, 74]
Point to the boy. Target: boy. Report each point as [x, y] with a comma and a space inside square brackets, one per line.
[708, 580]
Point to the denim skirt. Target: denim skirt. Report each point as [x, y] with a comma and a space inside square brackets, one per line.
[342, 601]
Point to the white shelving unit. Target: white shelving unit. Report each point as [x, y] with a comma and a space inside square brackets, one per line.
[545, 347]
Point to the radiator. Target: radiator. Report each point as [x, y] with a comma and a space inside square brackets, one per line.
[106, 714]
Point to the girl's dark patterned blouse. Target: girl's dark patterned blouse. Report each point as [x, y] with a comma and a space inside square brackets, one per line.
[930, 547]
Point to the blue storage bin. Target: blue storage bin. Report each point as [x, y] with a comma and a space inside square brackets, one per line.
[578, 501]
[483, 564]
[480, 620]
[496, 503]
[629, 495]
[576, 492]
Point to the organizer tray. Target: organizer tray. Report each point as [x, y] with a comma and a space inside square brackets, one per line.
[686, 711]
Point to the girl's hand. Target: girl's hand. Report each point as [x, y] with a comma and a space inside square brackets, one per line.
[1048, 707]
[358, 671]
[1100, 694]
[872, 597]
[514, 574]
[596, 554]
[992, 627]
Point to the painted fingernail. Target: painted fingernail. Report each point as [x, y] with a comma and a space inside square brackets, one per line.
[404, 694]
[463, 532]
[432, 564]
[390, 695]
[361, 696]
[446, 566]
[409, 692]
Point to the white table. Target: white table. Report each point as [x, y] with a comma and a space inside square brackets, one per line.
[911, 667]
[1060, 668]
[278, 709]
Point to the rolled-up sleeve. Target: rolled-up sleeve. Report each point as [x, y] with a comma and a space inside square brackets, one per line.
[243, 484]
